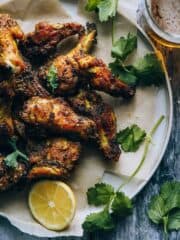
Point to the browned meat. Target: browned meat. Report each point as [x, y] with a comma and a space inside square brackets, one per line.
[10, 176]
[10, 57]
[56, 115]
[53, 158]
[41, 43]
[91, 104]
[78, 66]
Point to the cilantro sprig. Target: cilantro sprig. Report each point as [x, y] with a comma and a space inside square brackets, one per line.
[106, 8]
[164, 208]
[145, 72]
[52, 78]
[131, 138]
[116, 204]
[12, 159]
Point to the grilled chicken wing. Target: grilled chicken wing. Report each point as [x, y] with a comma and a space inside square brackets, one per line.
[53, 158]
[41, 43]
[10, 176]
[57, 115]
[10, 57]
[78, 66]
[91, 104]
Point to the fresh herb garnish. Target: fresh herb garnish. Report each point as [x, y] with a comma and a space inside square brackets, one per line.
[145, 72]
[124, 46]
[131, 138]
[164, 208]
[11, 160]
[106, 8]
[52, 78]
[116, 204]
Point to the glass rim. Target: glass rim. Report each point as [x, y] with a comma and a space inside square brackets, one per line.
[175, 38]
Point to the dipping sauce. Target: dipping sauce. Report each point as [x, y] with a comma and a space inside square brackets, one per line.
[166, 14]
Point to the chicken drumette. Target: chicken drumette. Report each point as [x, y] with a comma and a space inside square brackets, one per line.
[10, 57]
[64, 74]
[41, 43]
[90, 103]
[53, 158]
[56, 115]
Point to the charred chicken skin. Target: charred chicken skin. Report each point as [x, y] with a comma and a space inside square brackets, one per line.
[41, 43]
[55, 114]
[10, 176]
[10, 57]
[53, 158]
[90, 103]
[79, 66]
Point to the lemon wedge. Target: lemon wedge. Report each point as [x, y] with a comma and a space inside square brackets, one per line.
[52, 204]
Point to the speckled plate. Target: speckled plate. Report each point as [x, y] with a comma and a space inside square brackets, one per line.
[145, 109]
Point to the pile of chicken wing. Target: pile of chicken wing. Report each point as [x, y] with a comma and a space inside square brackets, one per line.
[53, 119]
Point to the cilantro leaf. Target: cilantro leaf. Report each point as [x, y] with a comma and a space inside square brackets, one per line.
[124, 46]
[100, 194]
[165, 207]
[107, 9]
[121, 205]
[174, 221]
[123, 73]
[99, 221]
[148, 70]
[131, 138]
[11, 159]
[157, 210]
[92, 5]
[52, 78]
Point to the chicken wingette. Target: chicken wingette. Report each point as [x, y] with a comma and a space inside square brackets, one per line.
[90, 104]
[52, 158]
[42, 43]
[56, 115]
[10, 57]
[64, 74]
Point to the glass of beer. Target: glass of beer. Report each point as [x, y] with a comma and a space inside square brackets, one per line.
[162, 19]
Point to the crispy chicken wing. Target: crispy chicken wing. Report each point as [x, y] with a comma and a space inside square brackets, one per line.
[41, 43]
[53, 158]
[91, 104]
[10, 176]
[77, 66]
[10, 57]
[56, 115]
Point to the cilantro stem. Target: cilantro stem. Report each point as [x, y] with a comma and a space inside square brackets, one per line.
[113, 30]
[146, 148]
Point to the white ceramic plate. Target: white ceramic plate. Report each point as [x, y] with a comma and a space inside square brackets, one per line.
[147, 106]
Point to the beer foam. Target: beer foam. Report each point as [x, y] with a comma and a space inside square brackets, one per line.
[166, 14]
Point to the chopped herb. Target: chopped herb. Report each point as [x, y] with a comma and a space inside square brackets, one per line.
[11, 160]
[131, 138]
[164, 208]
[52, 78]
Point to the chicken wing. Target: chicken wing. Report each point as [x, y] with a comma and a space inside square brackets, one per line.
[57, 116]
[10, 176]
[91, 104]
[41, 43]
[53, 158]
[10, 57]
[77, 66]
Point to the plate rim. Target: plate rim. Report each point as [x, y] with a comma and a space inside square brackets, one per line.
[14, 221]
